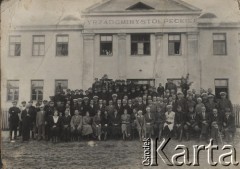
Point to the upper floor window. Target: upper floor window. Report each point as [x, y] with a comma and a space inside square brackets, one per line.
[140, 44]
[38, 45]
[62, 45]
[15, 45]
[174, 44]
[37, 90]
[12, 90]
[106, 45]
[219, 44]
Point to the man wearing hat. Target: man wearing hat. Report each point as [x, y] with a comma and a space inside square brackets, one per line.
[204, 98]
[224, 103]
[114, 99]
[13, 111]
[210, 105]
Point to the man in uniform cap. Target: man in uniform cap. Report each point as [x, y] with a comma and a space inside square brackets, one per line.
[14, 112]
[204, 98]
[210, 105]
[224, 103]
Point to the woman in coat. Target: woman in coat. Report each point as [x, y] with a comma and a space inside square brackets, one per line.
[87, 128]
[125, 124]
[55, 125]
[105, 124]
[97, 127]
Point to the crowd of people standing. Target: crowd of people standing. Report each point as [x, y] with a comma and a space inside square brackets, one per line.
[119, 109]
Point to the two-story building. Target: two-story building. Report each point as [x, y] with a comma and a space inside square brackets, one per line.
[148, 41]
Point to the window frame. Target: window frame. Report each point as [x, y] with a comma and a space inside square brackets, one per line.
[14, 43]
[177, 84]
[38, 43]
[225, 36]
[12, 88]
[100, 44]
[174, 41]
[147, 80]
[37, 95]
[62, 35]
[55, 84]
[137, 42]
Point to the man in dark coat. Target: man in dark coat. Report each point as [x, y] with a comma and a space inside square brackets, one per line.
[224, 103]
[33, 114]
[48, 114]
[115, 121]
[13, 111]
[26, 123]
[160, 90]
[66, 126]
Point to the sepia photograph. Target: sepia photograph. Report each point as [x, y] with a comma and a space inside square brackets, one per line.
[120, 84]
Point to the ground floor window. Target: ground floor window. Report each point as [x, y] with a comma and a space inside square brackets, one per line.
[150, 82]
[61, 85]
[37, 90]
[177, 82]
[12, 90]
[221, 85]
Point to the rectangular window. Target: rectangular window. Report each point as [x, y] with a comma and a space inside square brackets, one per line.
[61, 85]
[177, 82]
[221, 85]
[219, 44]
[15, 45]
[62, 45]
[12, 90]
[106, 44]
[37, 89]
[38, 45]
[140, 44]
[174, 44]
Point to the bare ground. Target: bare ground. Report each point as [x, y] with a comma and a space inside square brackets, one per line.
[106, 154]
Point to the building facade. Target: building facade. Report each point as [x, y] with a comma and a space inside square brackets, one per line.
[148, 41]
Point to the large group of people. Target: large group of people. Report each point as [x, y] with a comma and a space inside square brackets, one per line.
[124, 110]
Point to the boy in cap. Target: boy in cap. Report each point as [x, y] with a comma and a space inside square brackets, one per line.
[14, 112]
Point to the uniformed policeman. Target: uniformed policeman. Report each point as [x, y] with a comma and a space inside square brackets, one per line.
[14, 112]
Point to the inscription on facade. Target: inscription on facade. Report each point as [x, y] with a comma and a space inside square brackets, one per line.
[140, 21]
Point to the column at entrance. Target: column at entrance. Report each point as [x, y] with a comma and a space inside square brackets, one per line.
[88, 60]
[122, 56]
[157, 72]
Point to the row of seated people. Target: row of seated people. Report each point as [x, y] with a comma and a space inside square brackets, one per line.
[150, 120]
